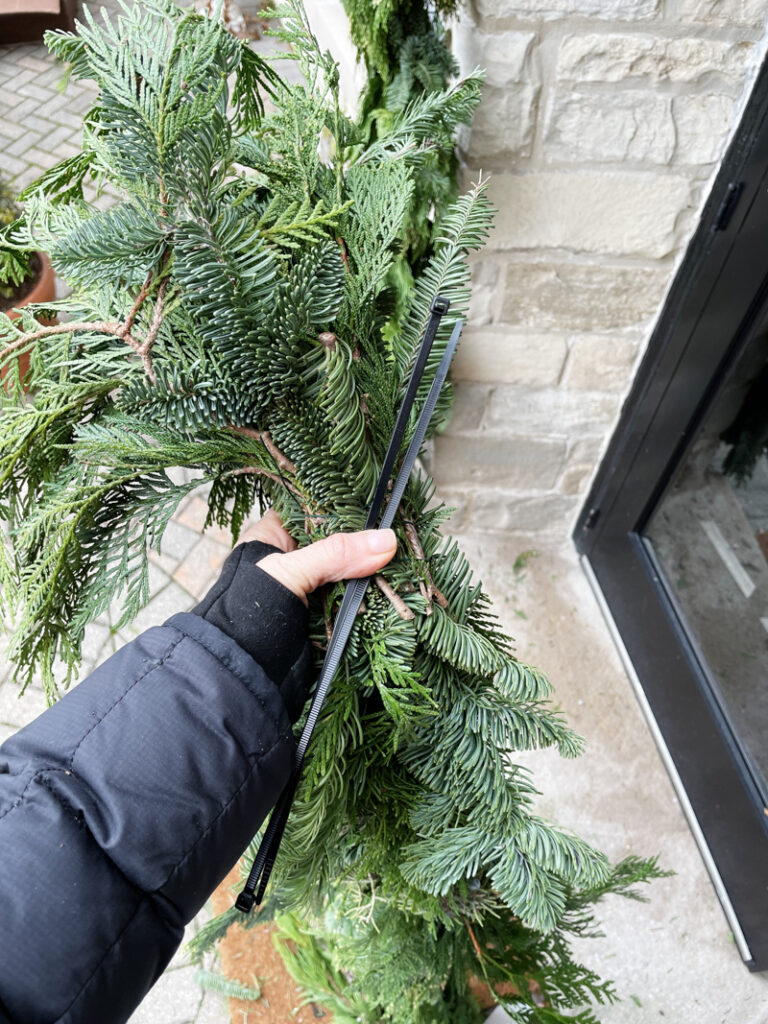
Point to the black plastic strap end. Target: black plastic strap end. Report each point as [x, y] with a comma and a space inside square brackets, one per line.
[245, 901]
[440, 305]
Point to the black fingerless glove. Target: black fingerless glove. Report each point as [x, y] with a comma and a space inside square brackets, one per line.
[266, 619]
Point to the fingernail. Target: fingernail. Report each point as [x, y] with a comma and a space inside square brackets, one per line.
[381, 540]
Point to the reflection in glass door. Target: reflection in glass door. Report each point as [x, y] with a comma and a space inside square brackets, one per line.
[709, 537]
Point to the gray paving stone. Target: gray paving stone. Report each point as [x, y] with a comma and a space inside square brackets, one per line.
[23, 143]
[24, 105]
[65, 150]
[214, 1009]
[6, 731]
[175, 999]
[178, 541]
[95, 645]
[30, 89]
[18, 711]
[201, 566]
[56, 109]
[64, 116]
[35, 123]
[23, 76]
[11, 130]
[33, 63]
[162, 606]
[29, 174]
[181, 957]
[12, 164]
[41, 158]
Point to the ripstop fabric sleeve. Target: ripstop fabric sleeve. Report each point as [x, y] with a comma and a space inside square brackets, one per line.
[123, 806]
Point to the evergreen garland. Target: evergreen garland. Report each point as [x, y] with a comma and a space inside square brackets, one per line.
[234, 314]
[404, 46]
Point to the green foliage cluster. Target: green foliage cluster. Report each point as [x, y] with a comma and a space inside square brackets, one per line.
[234, 314]
[15, 266]
[404, 46]
[9, 211]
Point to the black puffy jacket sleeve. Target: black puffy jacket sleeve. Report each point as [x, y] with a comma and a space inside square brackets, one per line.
[121, 809]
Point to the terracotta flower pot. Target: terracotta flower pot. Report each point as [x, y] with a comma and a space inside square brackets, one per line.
[43, 290]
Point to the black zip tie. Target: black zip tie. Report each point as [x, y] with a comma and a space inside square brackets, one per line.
[438, 309]
[353, 596]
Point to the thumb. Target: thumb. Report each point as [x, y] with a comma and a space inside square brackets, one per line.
[341, 556]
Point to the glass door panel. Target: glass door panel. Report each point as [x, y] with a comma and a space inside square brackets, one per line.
[709, 536]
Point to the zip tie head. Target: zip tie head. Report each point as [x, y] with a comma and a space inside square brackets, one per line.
[245, 901]
[440, 305]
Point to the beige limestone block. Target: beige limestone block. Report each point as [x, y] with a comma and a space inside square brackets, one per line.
[547, 10]
[514, 462]
[576, 478]
[597, 363]
[615, 127]
[550, 412]
[581, 297]
[460, 502]
[725, 12]
[540, 513]
[469, 404]
[616, 212]
[586, 449]
[501, 356]
[702, 127]
[485, 277]
[504, 56]
[504, 123]
[621, 58]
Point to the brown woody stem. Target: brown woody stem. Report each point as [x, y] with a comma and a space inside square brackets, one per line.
[126, 328]
[145, 348]
[418, 553]
[282, 460]
[266, 439]
[394, 599]
[257, 471]
[76, 325]
[122, 331]
[326, 614]
[475, 943]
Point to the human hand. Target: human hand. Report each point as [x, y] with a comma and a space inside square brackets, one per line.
[341, 556]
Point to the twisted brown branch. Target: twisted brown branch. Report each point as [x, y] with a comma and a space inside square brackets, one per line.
[117, 330]
[394, 599]
[258, 471]
[417, 551]
[265, 437]
[135, 307]
[145, 348]
[99, 326]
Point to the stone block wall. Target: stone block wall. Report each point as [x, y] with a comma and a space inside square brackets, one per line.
[602, 124]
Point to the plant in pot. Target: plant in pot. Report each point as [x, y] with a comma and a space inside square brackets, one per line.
[26, 278]
[235, 313]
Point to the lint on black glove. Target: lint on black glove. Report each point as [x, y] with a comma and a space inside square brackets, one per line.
[265, 618]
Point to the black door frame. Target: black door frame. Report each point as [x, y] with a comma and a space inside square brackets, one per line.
[707, 319]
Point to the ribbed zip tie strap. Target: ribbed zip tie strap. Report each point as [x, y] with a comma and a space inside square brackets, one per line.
[355, 590]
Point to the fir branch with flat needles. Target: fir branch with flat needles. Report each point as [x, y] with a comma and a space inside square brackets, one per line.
[257, 332]
[227, 987]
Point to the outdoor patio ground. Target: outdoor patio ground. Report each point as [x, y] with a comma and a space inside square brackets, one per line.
[674, 958]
